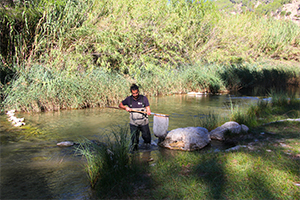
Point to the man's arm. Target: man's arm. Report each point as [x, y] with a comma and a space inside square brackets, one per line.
[124, 107]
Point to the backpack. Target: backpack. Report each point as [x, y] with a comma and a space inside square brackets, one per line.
[138, 119]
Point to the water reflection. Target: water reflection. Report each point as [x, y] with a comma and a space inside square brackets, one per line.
[33, 167]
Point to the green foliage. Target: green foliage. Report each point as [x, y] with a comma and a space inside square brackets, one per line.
[44, 88]
[283, 13]
[285, 103]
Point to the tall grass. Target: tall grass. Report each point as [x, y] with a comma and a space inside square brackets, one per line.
[94, 162]
[211, 121]
[43, 89]
[109, 158]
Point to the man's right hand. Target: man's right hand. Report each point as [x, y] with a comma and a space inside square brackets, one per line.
[128, 109]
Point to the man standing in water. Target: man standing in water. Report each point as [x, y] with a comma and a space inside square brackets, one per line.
[138, 121]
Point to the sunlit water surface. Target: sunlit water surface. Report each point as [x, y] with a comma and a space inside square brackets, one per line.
[34, 167]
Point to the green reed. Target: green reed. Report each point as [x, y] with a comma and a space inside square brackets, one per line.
[42, 89]
[280, 105]
[211, 121]
[94, 161]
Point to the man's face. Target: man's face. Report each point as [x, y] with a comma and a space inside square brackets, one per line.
[135, 93]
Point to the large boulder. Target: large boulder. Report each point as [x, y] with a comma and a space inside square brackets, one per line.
[231, 127]
[186, 139]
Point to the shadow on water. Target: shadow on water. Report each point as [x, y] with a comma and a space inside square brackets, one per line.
[25, 183]
[245, 81]
[39, 170]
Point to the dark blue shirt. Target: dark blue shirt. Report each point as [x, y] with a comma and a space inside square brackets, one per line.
[136, 103]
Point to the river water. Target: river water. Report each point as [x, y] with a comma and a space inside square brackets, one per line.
[34, 167]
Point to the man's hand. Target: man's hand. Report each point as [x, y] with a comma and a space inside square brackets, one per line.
[124, 107]
[148, 110]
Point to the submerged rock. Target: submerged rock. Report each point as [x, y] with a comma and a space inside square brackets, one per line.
[236, 148]
[186, 139]
[232, 127]
[65, 144]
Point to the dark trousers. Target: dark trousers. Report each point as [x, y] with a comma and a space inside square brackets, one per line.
[135, 134]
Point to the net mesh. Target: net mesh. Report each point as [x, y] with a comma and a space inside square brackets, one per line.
[160, 125]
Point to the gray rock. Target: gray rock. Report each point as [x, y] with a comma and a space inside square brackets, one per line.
[186, 139]
[236, 148]
[65, 144]
[232, 127]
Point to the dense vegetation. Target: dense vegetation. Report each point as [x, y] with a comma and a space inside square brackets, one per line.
[85, 53]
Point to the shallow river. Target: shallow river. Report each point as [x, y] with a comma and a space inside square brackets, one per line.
[34, 167]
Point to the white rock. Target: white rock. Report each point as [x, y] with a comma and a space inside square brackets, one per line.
[11, 112]
[65, 144]
[153, 143]
[186, 139]
[18, 124]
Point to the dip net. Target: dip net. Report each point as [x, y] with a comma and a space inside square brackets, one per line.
[160, 125]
